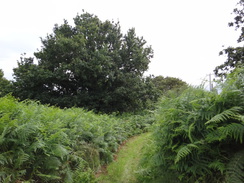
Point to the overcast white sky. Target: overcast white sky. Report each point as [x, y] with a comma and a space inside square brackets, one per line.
[186, 35]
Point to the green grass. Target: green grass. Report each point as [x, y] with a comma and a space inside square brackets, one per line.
[123, 169]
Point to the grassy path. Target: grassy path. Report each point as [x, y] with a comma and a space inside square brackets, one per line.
[123, 170]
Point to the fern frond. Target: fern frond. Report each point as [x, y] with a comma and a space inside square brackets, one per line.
[240, 118]
[234, 130]
[3, 160]
[39, 144]
[185, 151]
[47, 177]
[24, 131]
[59, 150]
[227, 114]
[59, 136]
[52, 163]
[68, 176]
[7, 158]
[235, 168]
[5, 131]
[217, 165]
[214, 135]
[7, 179]
[21, 158]
[191, 128]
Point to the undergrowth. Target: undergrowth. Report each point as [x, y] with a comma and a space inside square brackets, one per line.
[198, 136]
[40, 143]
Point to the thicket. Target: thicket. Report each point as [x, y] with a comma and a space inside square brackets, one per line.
[198, 136]
[40, 143]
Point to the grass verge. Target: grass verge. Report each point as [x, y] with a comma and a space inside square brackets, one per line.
[123, 169]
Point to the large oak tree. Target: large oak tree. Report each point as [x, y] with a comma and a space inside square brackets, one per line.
[91, 65]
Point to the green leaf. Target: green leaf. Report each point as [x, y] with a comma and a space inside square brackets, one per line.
[234, 130]
[185, 151]
[21, 158]
[235, 168]
[48, 177]
[217, 165]
[59, 150]
[227, 114]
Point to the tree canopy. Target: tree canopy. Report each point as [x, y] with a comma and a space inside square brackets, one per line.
[91, 65]
[165, 84]
[235, 57]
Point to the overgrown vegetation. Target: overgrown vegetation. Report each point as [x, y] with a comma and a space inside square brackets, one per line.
[47, 144]
[199, 136]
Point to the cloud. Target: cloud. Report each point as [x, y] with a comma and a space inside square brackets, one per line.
[186, 35]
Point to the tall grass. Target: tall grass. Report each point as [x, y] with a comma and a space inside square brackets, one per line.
[40, 143]
[198, 136]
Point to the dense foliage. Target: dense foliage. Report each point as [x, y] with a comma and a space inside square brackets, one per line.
[199, 136]
[5, 85]
[91, 65]
[234, 55]
[166, 84]
[47, 144]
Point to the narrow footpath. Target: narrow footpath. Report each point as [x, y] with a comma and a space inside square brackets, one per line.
[123, 169]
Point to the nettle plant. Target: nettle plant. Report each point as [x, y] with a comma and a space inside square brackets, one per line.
[199, 135]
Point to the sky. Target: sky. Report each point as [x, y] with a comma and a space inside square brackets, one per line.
[186, 36]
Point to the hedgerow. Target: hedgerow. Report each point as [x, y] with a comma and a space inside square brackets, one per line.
[198, 136]
[40, 143]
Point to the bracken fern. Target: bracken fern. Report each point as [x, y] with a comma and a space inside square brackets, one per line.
[40, 143]
[199, 135]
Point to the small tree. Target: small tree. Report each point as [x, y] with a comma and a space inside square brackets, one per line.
[165, 84]
[90, 65]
